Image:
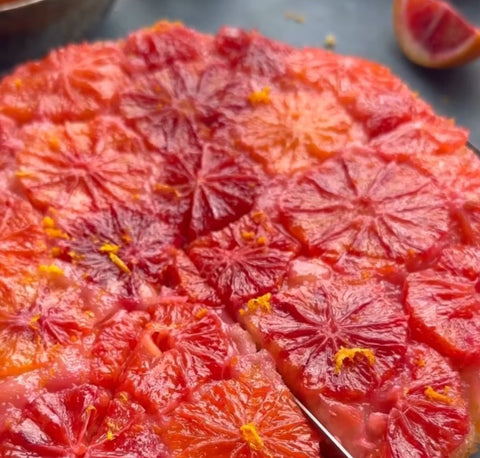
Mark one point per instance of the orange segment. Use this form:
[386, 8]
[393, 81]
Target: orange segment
[433, 34]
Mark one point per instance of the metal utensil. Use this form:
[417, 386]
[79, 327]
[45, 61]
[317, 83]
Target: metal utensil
[30, 28]
[323, 430]
[474, 148]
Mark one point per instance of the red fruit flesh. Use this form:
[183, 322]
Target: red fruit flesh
[335, 337]
[81, 166]
[230, 418]
[246, 259]
[364, 206]
[56, 424]
[444, 304]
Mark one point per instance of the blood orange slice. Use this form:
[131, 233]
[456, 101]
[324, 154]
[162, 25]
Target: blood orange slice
[219, 185]
[182, 348]
[224, 191]
[174, 107]
[286, 131]
[74, 83]
[247, 258]
[182, 275]
[433, 34]
[120, 248]
[32, 330]
[56, 424]
[232, 418]
[82, 166]
[115, 340]
[252, 53]
[430, 418]
[336, 338]
[126, 431]
[423, 137]
[444, 304]
[362, 205]
[22, 241]
[360, 86]
[163, 45]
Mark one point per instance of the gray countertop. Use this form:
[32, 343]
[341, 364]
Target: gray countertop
[361, 27]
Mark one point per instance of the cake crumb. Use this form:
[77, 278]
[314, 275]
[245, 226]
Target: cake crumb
[330, 41]
[295, 17]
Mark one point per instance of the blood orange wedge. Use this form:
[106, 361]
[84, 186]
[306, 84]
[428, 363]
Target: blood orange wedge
[335, 337]
[444, 304]
[246, 259]
[433, 34]
[81, 166]
[241, 419]
[362, 205]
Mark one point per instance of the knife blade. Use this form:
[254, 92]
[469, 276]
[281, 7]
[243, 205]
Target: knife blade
[473, 148]
[323, 430]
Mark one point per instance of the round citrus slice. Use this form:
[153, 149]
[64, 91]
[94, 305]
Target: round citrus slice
[286, 131]
[82, 166]
[365, 206]
[162, 45]
[56, 424]
[430, 417]
[120, 248]
[114, 342]
[359, 86]
[444, 304]
[22, 241]
[336, 338]
[220, 186]
[224, 191]
[126, 431]
[32, 330]
[182, 275]
[73, 83]
[252, 53]
[429, 136]
[174, 107]
[183, 347]
[231, 418]
[433, 34]
[247, 258]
